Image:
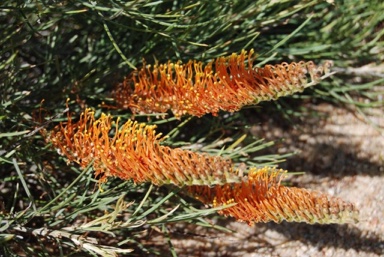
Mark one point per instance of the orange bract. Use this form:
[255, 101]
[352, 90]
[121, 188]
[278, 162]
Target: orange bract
[134, 152]
[261, 198]
[228, 84]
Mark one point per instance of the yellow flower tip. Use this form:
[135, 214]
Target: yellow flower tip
[266, 173]
[101, 185]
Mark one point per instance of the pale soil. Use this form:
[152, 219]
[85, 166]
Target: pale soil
[342, 156]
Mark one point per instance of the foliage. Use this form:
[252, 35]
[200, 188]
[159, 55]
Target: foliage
[54, 50]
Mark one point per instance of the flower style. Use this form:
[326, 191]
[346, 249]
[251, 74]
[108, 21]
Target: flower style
[228, 84]
[135, 152]
[261, 198]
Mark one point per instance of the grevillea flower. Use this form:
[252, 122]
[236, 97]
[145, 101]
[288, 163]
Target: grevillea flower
[228, 84]
[261, 198]
[135, 152]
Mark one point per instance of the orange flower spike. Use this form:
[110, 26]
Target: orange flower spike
[261, 198]
[134, 152]
[196, 90]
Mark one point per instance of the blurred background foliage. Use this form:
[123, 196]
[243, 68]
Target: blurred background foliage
[54, 50]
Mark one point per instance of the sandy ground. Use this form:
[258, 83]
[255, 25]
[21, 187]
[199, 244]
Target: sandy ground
[342, 156]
